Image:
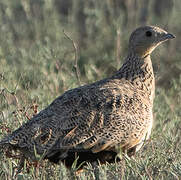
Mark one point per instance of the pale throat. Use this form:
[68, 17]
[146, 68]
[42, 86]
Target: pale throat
[142, 50]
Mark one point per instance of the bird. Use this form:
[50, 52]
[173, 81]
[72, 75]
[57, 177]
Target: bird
[95, 121]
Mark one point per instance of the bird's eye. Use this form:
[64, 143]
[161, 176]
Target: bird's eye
[148, 33]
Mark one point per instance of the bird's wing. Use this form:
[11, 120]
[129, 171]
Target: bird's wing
[99, 117]
[89, 117]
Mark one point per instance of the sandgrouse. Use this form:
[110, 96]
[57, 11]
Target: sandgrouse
[92, 121]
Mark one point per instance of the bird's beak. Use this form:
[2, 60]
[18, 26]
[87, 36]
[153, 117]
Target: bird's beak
[166, 36]
[169, 36]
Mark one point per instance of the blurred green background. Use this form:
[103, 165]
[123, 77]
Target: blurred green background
[37, 61]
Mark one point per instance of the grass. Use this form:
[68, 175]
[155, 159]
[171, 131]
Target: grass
[37, 65]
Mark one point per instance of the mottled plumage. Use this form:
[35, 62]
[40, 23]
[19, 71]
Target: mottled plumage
[95, 120]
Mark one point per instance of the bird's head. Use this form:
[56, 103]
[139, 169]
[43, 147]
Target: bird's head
[145, 39]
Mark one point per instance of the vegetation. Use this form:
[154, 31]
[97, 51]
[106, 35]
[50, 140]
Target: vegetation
[38, 63]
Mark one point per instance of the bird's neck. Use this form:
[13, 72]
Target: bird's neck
[139, 72]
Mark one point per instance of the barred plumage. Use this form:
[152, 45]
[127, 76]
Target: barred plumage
[91, 121]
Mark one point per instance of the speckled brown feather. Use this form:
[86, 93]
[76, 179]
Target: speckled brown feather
[97, 118]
